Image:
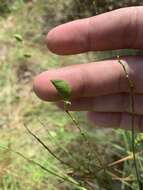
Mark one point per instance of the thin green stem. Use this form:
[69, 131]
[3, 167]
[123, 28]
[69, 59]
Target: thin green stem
[83, 135]
[67, 152]
[76, 123]
[132, 104]
[43, 168]
[58, 144]
[46, 147]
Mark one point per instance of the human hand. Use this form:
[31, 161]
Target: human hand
[100, 88]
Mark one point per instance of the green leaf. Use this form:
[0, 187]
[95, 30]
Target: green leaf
[27, 55]
[63, 88]
[18, 37]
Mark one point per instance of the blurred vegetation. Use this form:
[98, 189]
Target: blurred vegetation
[5, 7]
[86, 8]
[20, 61]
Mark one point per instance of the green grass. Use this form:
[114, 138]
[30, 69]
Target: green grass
[20, 105]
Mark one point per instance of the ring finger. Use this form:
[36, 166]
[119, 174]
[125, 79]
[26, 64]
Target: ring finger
[107, 103]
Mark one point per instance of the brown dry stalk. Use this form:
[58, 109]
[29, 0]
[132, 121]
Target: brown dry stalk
[129, 157]
[132, 102]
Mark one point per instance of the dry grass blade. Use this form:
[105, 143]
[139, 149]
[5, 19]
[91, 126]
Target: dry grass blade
[46, 147]
[43, 168]
[129, 157]
[58, 144]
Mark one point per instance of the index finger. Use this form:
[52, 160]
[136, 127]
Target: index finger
[90, 80]
[117, 29]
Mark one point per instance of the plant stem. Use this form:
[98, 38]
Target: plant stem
[82, 134]
[41, 166]
[46, 147]
[76, 123]
[58, 144]
[132, 104]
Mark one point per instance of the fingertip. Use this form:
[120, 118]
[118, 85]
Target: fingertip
[52, 41]
[43, 87]
[38, 88]
[69, 38]
[56, 40]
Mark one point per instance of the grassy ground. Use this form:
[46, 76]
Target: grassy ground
[19, 63]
